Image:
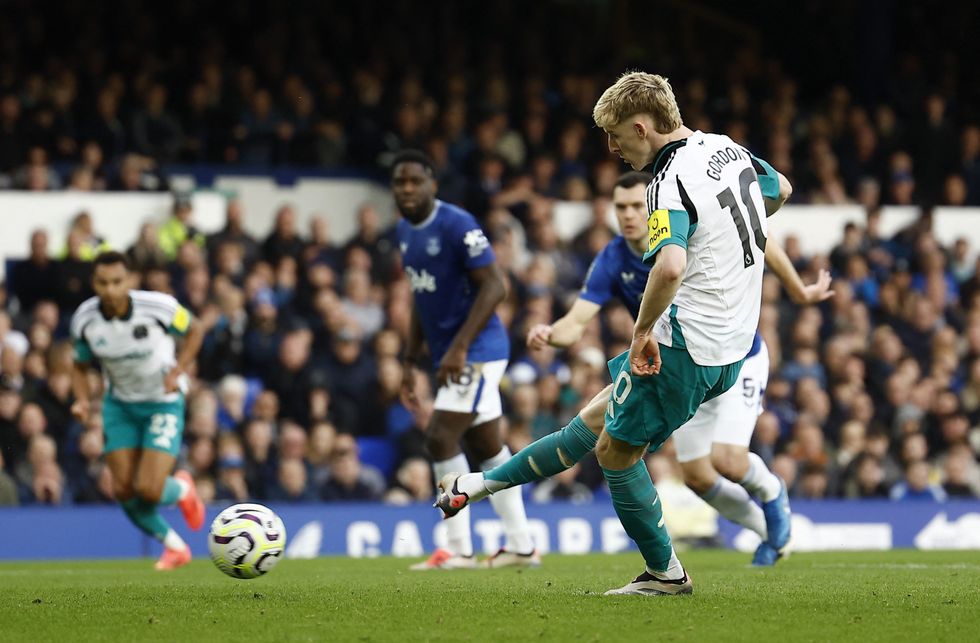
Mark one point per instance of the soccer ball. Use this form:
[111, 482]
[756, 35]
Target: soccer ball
[246, 540]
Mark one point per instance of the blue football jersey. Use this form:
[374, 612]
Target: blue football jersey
[438, 255]
[616, 271]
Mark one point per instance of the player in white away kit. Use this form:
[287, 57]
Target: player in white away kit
[696, 323]
[131, 334]
[717, 437]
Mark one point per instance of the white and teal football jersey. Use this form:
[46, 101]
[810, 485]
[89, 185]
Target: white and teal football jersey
[136, 351]
[707, 196]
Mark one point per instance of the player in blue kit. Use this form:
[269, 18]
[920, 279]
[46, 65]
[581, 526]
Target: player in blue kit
[456, 285]
[717, 438]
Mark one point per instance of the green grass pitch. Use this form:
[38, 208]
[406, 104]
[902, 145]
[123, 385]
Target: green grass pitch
[881, 596]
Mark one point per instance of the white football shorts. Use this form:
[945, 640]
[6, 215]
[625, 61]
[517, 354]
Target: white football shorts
[477, 391]
[729, 418]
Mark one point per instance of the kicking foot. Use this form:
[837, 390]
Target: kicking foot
[765, 555]
[445, 559]
[191, 505]
[504, 558]
[450, 499]
[173, 558]
[778, 519]
[646, 584]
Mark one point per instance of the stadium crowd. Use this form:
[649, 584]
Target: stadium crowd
[874, 394]
[296, 394]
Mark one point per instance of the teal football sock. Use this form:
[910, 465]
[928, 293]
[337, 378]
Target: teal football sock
[550, 455]
[145, 516]
[172, 491]
[639, 509]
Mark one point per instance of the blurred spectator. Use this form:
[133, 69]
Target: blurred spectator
[231, 484]
[8, 487]
[359, 303]
[39, 475]
[352, 376]
[960, 475]
[156, 132]
[376, 243]
[234, 233]
[37, 175]
[146, 253]
[350, 479]
[74, 276]
[867, 479]
[293, 484]
[260, 131]
[232, 398]
[293, 380]
[179, 227]
[413, 483]
[34, 279]
[105, 127]
[223, 350]
[90, 243]
[284, 240]
[13, 133]
[138, 173]
[323, 435]
[89, 475]
[260, 471]
[916, 485]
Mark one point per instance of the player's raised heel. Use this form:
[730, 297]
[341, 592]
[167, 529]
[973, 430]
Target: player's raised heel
[778, 519]
[450, 499]
[191, 505]
[173, 558]
[646, 584]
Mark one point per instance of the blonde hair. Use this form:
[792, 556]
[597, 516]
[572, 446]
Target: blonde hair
[636, 92]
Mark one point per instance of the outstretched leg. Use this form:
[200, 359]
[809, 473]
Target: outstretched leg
[544, 458]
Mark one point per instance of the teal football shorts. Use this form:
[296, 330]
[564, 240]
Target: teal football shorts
[646, 410]
[143, 425]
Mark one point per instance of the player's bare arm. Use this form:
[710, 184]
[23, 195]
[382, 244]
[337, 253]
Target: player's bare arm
[662, 284]
[566, 330]
[188, 353]
[79, 386]
[800, 293]
[413, 350]
[491, 290]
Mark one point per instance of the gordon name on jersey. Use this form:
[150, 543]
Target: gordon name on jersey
[137, 350]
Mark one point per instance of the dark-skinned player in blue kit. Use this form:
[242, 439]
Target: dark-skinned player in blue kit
[456, 286]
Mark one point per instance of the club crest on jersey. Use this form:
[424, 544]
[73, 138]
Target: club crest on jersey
[476, 242]
[101, 341]
[627, 277]
[140, 332]
[403, 247]
[658, 225]
[433, 247]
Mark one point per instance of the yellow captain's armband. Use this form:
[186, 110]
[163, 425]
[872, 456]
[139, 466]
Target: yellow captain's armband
[658, 225]
[182, 320]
